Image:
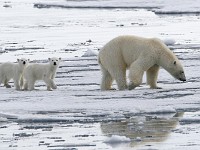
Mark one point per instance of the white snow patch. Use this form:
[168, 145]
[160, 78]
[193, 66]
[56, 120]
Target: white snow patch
[2, 50]
[138, 139]
[169, 42]
[117, 139]
[3, 119]
[89, 53]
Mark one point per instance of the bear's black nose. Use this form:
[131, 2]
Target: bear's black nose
[24, 62]
[54, 63]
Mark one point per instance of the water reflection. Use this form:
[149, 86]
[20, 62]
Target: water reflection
[143, 130]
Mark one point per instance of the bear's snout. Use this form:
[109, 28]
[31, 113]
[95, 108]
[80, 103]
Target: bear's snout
[182, 79]
[24, 62]
[54, 64]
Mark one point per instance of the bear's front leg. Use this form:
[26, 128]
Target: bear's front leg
[49, 88]
[152, 75]
[50, 84]
[53, 85]
[135, 76]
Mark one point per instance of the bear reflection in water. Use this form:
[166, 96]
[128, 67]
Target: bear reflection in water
[143, 129]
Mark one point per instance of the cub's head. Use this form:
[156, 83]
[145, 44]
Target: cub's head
[23, 61]
[54, 61]
[176, 70]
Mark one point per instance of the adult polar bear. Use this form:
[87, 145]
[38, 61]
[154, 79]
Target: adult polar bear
[139, 55]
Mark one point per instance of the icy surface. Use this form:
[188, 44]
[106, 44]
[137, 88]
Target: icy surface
[78, 115]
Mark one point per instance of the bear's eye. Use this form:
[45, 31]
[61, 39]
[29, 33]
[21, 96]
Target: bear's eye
[52, 60]
[56, 60]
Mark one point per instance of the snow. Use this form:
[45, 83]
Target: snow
[169, 42]
[78, 115]
[117, 139]
[89, 53]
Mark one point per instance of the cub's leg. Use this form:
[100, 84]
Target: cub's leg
[31, 85]
[152, 76]
[16, 82]
[6, 83]
[25, 85]
[50, 84]
[21, 82]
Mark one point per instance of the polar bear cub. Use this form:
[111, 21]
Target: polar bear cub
[13, 71]
[45, 72]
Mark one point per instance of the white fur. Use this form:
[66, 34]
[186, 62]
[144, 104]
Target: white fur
[139, 55]
[13, 71]
[45, 72]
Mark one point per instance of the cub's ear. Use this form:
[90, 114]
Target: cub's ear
[59, 58]
[18, 60]
[174, 62]
[28, 60]
[49, 59]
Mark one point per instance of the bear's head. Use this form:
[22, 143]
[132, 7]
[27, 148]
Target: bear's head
[176, 70]
[54, 61]
[23, 62]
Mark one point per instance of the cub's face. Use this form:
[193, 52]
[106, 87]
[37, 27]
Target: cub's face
[177, 71]
[23, 61]
[54, 61]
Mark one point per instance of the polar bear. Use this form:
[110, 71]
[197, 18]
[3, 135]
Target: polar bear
[45, 72]
[13, 71]
[137, 54]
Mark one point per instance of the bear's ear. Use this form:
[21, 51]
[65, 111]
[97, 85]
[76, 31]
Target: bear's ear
[28, 60]
[49, 59]
[174, 62]
[59, 58]
[18, 60]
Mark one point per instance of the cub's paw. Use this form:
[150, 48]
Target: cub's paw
[8, 86]
[54, 87]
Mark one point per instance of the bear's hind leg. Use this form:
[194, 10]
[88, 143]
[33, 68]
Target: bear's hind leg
[120, 78]
[16, 83]
[152, 75]
[31, 85]
[6, 83]
[25, 85]
[106, 80]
